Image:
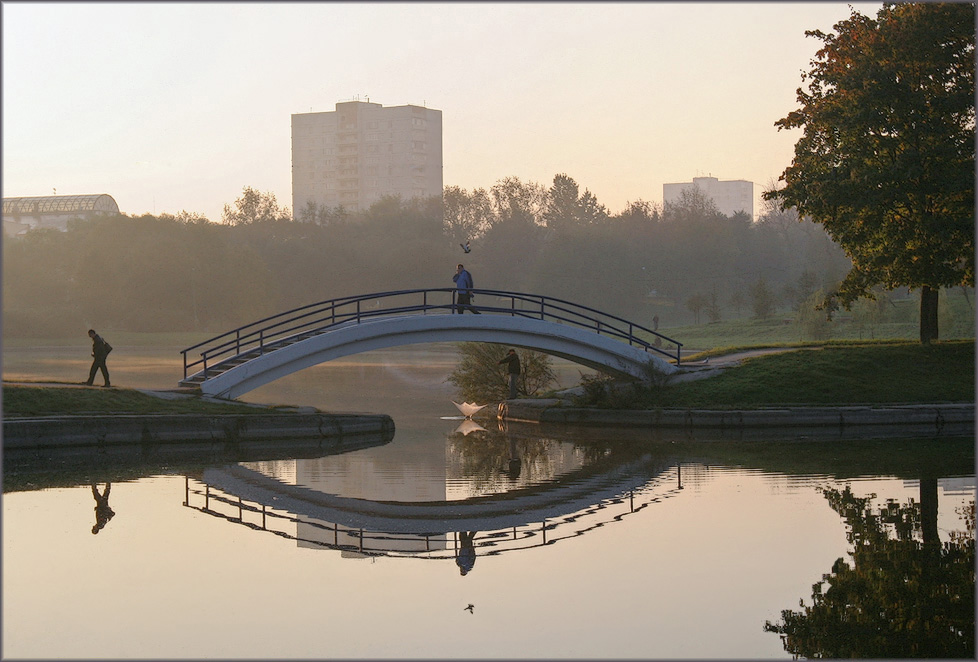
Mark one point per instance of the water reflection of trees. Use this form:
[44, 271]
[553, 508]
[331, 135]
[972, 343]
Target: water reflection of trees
[488, 458]
[904, 594]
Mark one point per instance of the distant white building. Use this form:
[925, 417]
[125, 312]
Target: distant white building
[361, 151]
[730, 196]
[53, 211]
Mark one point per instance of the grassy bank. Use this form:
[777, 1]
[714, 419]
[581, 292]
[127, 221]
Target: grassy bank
[831, 374]
[49, 400]
[898, 319]
[838, 373]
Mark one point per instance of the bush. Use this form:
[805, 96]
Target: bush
[607, 392]
[479, 377]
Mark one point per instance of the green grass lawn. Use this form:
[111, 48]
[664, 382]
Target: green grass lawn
[900, 321]
[833, 374]
[44, 400]
[891, 372]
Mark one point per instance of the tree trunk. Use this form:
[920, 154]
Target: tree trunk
[928, 510]
[928, 314]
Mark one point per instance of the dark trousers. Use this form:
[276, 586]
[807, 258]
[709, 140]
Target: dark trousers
[98, 364]
[465, 301]
[513, 380]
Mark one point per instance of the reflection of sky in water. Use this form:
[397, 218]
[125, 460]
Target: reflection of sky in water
[733, 549]
[381, 476]
[694, 575]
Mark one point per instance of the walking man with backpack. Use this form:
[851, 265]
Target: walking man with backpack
[100, 350]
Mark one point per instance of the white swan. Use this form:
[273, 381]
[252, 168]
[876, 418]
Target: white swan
[468, 408]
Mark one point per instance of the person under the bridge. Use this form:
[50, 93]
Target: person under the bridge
[463, 286]
[512, 362]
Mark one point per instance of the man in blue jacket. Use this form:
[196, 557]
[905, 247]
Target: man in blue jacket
[463, 286]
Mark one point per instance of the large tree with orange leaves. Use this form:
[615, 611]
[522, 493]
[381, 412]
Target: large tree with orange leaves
[887, 160]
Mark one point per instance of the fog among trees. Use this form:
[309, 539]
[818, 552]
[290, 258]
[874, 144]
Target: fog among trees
[684, 263]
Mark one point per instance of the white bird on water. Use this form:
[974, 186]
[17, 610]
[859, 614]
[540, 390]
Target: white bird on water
[468, 408]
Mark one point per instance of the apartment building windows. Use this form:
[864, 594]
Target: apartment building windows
[351, 149]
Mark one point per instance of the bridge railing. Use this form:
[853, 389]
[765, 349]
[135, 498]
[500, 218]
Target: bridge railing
[269, 333]
[440, 543]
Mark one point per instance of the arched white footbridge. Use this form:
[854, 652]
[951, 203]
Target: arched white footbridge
[244, 359]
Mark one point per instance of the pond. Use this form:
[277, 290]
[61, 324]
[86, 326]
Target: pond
[460, 539]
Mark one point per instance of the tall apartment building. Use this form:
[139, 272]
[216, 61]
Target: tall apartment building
[362, 151]
[730, 196]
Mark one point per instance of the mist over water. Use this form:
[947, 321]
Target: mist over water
[589, 550]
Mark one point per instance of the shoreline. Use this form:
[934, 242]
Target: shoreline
[936, 417]
[263, 423]
[107, 431]
[205, 430]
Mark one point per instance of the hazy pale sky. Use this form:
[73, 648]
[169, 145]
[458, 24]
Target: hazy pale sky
[179, 106]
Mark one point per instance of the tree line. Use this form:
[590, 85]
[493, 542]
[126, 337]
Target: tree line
[185, 273]
[879, 195]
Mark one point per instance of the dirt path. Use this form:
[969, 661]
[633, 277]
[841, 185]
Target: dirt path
[713, 365]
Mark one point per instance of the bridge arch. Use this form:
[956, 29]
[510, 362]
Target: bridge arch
[575, 492]
[252, 356]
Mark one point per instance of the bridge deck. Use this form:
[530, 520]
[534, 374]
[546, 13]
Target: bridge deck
[252, 342]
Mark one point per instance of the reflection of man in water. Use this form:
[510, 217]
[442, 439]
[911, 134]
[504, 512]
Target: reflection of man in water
[466, 553]
[515, 465]
[102, 511]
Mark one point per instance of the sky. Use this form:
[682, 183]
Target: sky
[172, 107]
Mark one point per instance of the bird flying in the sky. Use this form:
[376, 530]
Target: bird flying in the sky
[465, 247]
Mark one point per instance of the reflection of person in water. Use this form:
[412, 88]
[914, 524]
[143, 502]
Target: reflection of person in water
[515, 464]
[466, 553]
[102, 511]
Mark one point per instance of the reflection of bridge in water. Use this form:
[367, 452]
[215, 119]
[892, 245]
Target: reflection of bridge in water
[530, 517]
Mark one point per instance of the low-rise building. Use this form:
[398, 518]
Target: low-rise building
[53, 211]
[730, 196]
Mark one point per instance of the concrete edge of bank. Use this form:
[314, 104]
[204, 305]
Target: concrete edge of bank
[935, 416]
[64, 432]
[109, 431]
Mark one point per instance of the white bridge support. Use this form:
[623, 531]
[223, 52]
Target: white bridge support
[583, 346]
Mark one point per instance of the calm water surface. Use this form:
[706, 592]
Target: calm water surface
[446, 541]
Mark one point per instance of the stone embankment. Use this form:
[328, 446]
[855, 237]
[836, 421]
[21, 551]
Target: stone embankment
[263, 424]
[108, 431]
[921, 418]
[938, 418]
